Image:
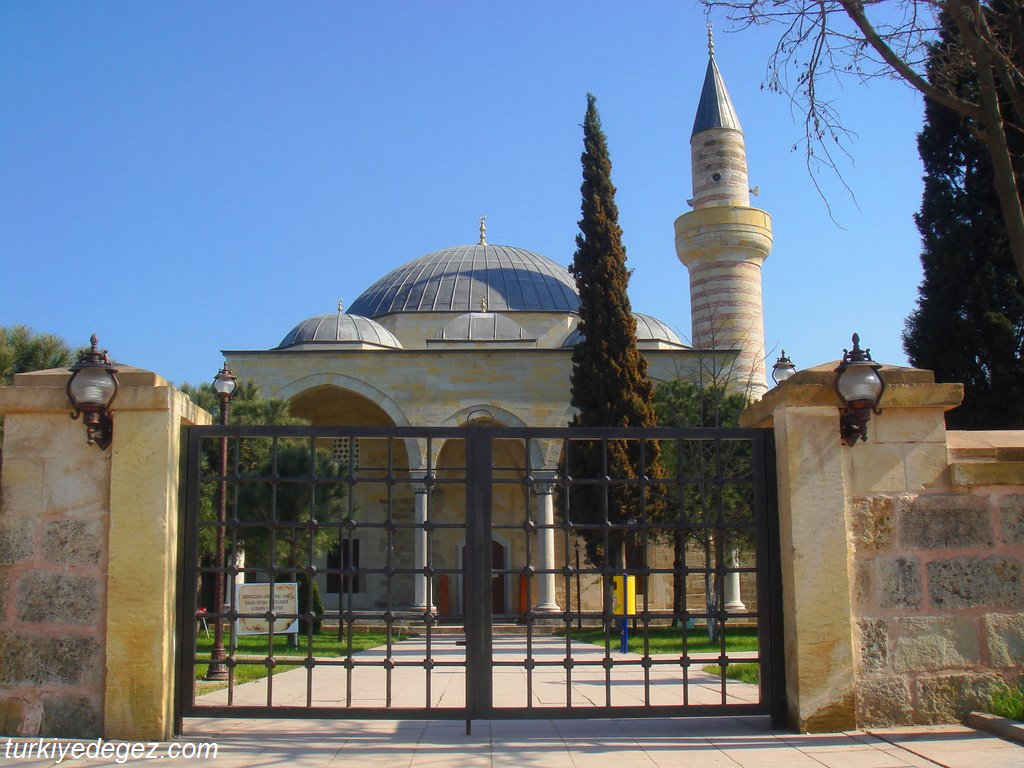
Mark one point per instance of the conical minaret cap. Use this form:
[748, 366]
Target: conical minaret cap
[715, 109]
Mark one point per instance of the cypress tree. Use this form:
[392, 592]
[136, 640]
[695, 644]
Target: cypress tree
[609, 382]
[969, 322]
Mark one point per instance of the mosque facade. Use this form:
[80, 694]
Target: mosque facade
[485, 332]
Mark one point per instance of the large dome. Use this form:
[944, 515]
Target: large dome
[456, 279]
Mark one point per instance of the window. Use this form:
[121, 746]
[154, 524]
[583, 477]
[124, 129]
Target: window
[345, 555]
[345, 450]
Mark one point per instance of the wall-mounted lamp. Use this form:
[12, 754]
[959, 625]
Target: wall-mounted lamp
[91, 389]
[860, 385]
[783, 368]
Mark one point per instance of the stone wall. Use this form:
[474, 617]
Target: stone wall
[88, 559]
[938, 599]
[54, 507]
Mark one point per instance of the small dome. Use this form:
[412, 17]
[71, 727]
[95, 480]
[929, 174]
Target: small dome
[456, 279]
[648, 329]
[339, 328]
[482, 326]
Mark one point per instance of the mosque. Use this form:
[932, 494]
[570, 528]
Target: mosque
[485, 332]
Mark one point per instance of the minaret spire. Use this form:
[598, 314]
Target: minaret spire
[723, 241]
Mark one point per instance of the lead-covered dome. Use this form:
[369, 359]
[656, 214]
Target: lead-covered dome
[456, 279]
[648, 330]
[339, 329]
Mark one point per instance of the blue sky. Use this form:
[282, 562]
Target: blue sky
[187, 177]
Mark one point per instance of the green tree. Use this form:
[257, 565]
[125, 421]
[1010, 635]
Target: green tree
[609, 382]
[23, 350]
[294, 542]
[694, 507]
[969, 322]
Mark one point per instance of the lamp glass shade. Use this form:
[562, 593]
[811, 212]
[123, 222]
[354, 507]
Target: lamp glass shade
[859, 381]
[92, 386]
[225, 385]
[782, 372]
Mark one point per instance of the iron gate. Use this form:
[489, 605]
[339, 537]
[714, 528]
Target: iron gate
[479, 572]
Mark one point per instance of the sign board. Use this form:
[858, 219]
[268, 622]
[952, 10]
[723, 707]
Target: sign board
[624, 601]
[255, 598]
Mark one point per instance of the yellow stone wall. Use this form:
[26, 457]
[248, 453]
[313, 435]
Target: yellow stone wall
[88, 558]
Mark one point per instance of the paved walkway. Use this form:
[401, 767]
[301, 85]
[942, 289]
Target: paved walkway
[744, 742]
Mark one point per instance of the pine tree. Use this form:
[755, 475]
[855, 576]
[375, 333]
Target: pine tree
[609, 382]
[969, 322]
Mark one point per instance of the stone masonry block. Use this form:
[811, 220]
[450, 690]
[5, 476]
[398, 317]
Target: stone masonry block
[874, 644]
[883, 701]
[945, 521]
[15, 540]
[969, 582]
[12, 715]
[70, 717]
[864, 583]
[1011, 516]
[5, 583]
[871, 522]
[949, 698]
[22, 496]
[931, 644]
[55, 596]
[1004, 635]
[899, 583]
[79, 542]
[46, 660]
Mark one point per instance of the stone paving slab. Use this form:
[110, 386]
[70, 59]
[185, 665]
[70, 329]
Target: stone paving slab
[745, 742]
[329, 685]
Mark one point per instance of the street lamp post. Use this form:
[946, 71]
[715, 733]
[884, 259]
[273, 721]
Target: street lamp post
[225, 384]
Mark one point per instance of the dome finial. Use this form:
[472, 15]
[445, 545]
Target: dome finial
[483, 304]
[711, 41]
[341, 306]
[483, 230]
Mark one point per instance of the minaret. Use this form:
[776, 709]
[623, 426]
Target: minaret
[723, 241]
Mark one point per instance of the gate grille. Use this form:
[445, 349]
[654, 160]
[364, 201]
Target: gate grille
[469, 573]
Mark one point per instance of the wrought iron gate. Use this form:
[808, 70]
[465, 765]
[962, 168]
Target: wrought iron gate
[475, 573]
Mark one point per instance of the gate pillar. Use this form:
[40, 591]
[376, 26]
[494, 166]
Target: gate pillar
[88, 560]
[817, 477]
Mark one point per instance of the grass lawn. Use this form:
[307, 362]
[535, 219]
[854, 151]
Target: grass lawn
[251, 650]
[1009, 703]
[668, 640]
[744, 673]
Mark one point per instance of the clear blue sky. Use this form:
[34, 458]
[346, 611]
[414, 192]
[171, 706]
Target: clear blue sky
[186, 177]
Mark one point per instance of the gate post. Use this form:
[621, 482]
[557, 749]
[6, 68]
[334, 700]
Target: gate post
[817, 477]
[88, 559]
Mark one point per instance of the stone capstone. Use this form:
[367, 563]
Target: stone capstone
[1004, 635]
[969, 582]
[899, 583]
[874, 644]
[950, 698]
[55, 596]
[945, 521]
[44, 660]
[1011, 516]
[931, 644]
[70, 717]
[73, 541]
[883, 701]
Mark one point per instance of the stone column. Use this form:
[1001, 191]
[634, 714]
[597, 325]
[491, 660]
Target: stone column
[733, 601]
[817, 477]
[546, 549]
[422, 597]
[88, 561]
